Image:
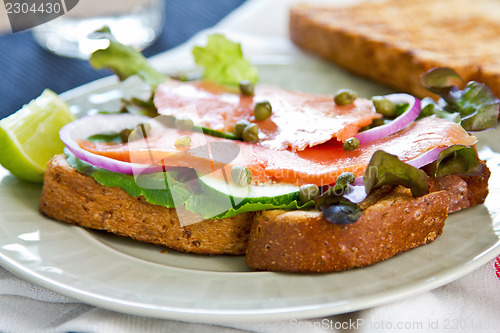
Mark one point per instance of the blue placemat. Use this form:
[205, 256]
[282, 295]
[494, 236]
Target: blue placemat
[26, 69]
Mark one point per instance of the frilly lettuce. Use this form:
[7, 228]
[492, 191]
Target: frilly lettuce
[223, 61]
[456, 160]
[123, 60]
[475, 107]
[387, 169]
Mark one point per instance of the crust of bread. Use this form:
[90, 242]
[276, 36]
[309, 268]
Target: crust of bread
[294, 241]
[393, 42]
[72, 197]
[305, 242]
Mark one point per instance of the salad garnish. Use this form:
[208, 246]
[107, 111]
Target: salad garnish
[223, 62]
[387, 169]
[475, 107]
[123, 60]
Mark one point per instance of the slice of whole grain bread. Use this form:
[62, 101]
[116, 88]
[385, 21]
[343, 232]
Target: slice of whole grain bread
[296, 241]
[75, 198]
[393, 42]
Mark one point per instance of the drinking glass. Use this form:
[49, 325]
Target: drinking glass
[133, 22]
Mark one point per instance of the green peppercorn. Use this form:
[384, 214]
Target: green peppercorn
[345, 96]
[183, 123]
[345, 178]
[183, 141]
[251, 133]
[308, 192]
[262, 110]
[246, 88]
[351, 144]
[384, 106]
[241, 176]
[240, 126]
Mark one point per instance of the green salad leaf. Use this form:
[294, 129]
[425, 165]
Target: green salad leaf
[123, 60]
[387, 169]
[195, 197]
[223, 61]
[456, 160]
[337, 209]
[111, 137]
[474, 107]
[440, 80]
[342, 212]
[429, 108]
[154, 194]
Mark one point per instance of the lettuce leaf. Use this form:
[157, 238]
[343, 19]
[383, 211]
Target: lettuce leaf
[456, 160]
[387, 169]
[123, 60]
[126, 182]
[336, 208]
[475, 107]
[429, 108]
[223, 61]
[164, 187]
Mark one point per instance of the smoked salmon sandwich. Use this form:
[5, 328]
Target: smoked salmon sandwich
[297, 182]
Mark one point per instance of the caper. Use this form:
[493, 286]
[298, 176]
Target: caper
[246, 88]
[262, 110]
[345, 178]
[345, 96]
[384, 106]
[351, 144]
[240, 126]
[379, 122]
[241, 176]
[181, 76]
[124, 134]
[250, 133]
[308, 192]
[183, 141]
[183, 123]
[130, 134]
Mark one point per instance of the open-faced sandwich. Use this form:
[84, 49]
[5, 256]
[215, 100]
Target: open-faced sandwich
[296, 182]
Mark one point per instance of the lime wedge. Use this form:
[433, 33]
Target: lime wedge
[30, 137]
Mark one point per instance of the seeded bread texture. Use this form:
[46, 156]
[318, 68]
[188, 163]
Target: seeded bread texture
[72, 197]
[393, 42]
[294, 241]
[306, 242]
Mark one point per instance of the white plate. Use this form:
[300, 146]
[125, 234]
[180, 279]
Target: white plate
[127, 276]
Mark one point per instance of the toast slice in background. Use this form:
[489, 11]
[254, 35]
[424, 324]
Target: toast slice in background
[393, 42]
[295, 241]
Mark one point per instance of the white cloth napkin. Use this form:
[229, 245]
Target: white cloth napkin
[470, 304]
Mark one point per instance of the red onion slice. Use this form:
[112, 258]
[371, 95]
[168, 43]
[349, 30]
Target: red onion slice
[397, 124]
[426, 158]
[83, 128]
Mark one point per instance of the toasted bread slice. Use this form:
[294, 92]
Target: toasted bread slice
[393, 42]
[296, 241]
[75, 198]
[306, 242]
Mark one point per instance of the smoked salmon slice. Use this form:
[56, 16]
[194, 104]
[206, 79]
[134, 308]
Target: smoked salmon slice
[318, 165]
[298, 121]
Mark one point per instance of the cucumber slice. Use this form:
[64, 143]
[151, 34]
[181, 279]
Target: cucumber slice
[279, 193]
